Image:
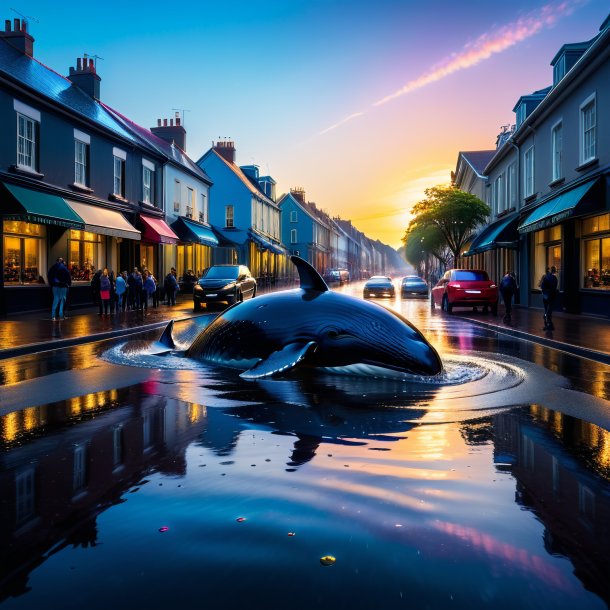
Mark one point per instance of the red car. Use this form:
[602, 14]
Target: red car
[465, 288]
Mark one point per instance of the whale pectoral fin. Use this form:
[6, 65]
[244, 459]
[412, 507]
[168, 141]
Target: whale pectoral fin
[281, 361]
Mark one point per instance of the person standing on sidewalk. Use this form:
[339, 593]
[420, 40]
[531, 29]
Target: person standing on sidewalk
[508, 288]
[148, 288]
[105, 288]
[171, 287]
[95, 289]
[121, 289]
[548, 286]
[59, 280]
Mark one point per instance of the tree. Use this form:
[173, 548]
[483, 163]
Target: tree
[423, 242]
[454, 213]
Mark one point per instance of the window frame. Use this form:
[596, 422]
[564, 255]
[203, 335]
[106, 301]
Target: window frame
[118, 179]
[557, 151]
[82, 164]
[528, 172]
[27, 120]
[293, 216]
[147, 189]
[293, 236]
[589, 102]
[229, 217]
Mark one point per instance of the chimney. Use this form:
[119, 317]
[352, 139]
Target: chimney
[172, 133]
[226, 149]
[18, 37]
[298, 193]
[85, 77]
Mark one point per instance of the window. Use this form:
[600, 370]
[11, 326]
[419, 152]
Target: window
[293, 216]
[23, 251]
[229, 219]
[25, 496]
[596, 252]
[203, 214]
[547, 253]
[511, 186]
[26, 142]
[148, 182]
[528, 176]
[83, 255]
[190, 199]
[81, 158]
[559, 69]
[557, 150]
[293, 236]
[588, 138]
[499, 194]
[177, 196]
[119, 177]
[520, 112]
[79, 478]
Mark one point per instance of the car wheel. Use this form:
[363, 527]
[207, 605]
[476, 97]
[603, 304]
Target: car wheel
[446, 305]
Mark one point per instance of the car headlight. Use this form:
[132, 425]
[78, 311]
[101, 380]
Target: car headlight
[198, 287]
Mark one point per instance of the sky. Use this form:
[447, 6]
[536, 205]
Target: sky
[362, 104]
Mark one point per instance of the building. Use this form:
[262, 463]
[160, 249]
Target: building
[244, 214]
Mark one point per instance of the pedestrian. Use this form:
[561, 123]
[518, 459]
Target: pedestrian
[155, 294]
[113, 297]
[105, 288]
[508, 288]
[95, 289]
[134, 288]
[148, 288]
[120, 290]
[59, 280]
[548, 286]
[171, 287]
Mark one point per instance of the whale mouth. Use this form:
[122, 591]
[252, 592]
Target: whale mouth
[417, 368]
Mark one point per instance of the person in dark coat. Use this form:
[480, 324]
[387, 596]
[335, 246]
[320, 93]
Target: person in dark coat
[95, 289]
[548, 286]
[171, 287]
[59, 280]
[508, 289]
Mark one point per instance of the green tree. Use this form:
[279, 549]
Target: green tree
[454, 213]
[422, 243]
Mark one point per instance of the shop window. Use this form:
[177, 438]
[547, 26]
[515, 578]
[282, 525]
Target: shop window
[547, 253]
[596, 253]
[83, 255]
[147, 257]
[23, 246]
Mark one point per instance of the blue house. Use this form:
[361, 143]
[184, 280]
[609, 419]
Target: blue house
[244, 214]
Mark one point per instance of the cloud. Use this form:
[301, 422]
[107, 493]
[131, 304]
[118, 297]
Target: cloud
[480, 49]
[341, 122]
[488, 44]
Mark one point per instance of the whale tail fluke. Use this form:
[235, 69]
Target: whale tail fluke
[310, 279]
[166, 338]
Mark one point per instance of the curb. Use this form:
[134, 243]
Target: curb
[575, 350]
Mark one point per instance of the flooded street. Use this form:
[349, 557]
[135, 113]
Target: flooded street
[161, 482]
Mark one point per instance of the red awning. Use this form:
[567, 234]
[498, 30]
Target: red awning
[157, 231]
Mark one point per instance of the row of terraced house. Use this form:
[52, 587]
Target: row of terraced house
[81, 181]
[547, 183]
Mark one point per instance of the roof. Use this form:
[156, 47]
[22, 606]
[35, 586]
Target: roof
[477, 159]
[34, 75]
[249, 184]
[309, 209]
[173, 153]
[536, 96]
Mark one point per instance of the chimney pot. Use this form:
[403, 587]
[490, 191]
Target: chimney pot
[177, 121]
[92, 65]
[158, 122]
[171, 122]
[17, 26]
[164, 122]
[7, 25]
[78, 64]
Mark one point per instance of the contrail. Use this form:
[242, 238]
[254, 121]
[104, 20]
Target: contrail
[474, 52]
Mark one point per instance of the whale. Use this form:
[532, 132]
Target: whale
[161, 347]
[312, 327]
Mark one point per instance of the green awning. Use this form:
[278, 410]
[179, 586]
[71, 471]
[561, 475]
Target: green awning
[500, 234]
[556, 209]
[190, 231]
[19, 203]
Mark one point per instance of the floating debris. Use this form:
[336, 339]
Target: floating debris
[163, 528]
[240, 519]
[328, 560]
[292, 533]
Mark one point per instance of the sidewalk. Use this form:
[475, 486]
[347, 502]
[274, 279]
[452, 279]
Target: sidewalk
[585, 336]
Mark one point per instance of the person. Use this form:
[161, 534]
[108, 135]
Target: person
[59, 280]
[134, 283]
[113, 297]
[189, 281]
[105, 287]
[121, 289]
[95, 289]
[171, 287]
[155, 294]
[508, 288]
[148, 288]
[548, 286]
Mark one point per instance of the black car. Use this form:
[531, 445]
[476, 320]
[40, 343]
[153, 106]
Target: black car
[224, 283]
[413, 286]
[379, 286]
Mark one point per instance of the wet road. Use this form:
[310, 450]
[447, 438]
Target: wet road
[490, 489]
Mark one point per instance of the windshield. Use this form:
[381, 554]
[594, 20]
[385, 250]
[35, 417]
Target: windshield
[470, 275]
[222, 273]
[414, 281]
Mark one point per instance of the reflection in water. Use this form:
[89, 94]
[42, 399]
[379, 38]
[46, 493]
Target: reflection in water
[86, 484]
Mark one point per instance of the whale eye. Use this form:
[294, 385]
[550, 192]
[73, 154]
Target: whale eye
[332, 333]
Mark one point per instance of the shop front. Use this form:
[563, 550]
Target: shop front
[194, 252]
[157, 248]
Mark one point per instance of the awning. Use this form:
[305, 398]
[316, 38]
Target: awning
[192, 232]
[35, 206]
[264, 243]
[499, 234]
[230, 238]
[557, 209]
[157, 231]
[104, 222]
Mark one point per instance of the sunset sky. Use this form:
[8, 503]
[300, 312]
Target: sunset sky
[363, 104]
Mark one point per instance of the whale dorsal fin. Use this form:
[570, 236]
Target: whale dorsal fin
[309, 277]
[166, 338]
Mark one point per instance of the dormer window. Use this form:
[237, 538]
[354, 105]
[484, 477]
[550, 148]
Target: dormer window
[559, 69]
[521, 113]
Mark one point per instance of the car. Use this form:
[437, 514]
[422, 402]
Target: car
[340, 276]
[465, 288]
[379, 286]
[224, 283]
[413, 286]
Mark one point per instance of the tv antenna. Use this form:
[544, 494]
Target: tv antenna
[94, 58]
[181, 111]
[26, 18]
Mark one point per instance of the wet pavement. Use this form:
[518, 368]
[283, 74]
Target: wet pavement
[162, 482]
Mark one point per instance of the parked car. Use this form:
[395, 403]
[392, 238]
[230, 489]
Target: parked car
[465, 288]
[337, 275]
[224, 283]
[413, 286]
[379, 286]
